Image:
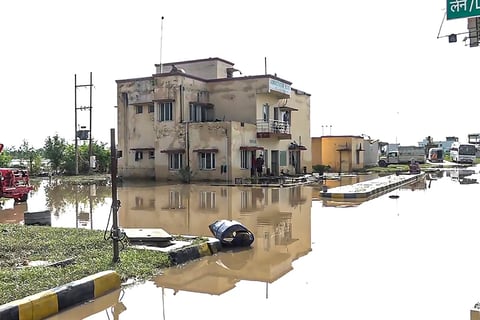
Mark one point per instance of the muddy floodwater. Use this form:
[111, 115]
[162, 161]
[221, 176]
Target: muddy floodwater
[414, 256]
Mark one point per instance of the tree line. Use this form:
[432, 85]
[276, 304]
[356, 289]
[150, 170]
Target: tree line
[60, 156]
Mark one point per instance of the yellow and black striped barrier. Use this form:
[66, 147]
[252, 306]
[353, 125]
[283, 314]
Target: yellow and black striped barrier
[194, 252]
[47, 303]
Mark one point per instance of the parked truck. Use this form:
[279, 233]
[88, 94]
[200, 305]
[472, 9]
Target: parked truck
[402, 155]
[14, 183]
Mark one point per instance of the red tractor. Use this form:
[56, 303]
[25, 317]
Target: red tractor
[14, 183]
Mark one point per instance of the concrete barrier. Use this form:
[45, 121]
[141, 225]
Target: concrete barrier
[371, 188]
[189, 253]
[49, 302]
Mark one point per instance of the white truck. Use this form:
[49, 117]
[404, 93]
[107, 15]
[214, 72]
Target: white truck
[402, 155]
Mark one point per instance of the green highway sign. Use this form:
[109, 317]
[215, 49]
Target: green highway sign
[462, 9]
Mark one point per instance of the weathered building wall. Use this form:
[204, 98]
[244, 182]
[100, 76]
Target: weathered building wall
[316, 150]
[300, 125]
[234, 100]
[135, 128]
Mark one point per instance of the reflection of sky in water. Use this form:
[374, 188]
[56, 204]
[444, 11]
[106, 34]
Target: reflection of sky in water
[37, 199]
[72, 214]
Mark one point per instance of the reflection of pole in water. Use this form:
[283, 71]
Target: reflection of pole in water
[163, 302]
[76, 206]
[90, 203]
[395, 196]
[396, 206]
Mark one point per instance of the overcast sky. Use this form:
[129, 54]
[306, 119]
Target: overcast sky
[371, 67]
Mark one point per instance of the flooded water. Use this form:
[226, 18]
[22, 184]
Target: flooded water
[412, 257]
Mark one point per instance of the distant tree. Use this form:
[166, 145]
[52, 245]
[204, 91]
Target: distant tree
[69, 160]
[54, 149]
[5, 159]
[36, 164]
[28, 153]
[102, 154]
[99, 150]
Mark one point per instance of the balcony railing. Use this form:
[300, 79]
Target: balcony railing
[273, 128]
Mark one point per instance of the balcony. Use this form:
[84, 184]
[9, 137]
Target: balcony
[273, 129]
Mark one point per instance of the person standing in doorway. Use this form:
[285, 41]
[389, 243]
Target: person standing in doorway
[259, 165]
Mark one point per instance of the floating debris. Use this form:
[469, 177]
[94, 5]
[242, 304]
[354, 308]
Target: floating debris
[231, 233]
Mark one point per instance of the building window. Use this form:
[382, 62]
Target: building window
[201, 113]
[165, 111]
[266, 112]
[138, 109]
[138, 155]
[151, 108]
[244, 159]
[206, 160]
[151, 154]
[283, 158]
[175, 161]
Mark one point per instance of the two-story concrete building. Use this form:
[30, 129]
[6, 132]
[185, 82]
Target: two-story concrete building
[194, 118]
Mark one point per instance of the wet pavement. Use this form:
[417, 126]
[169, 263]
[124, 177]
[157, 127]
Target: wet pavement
[412, 257]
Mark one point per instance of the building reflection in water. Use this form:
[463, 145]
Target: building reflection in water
[278, 217]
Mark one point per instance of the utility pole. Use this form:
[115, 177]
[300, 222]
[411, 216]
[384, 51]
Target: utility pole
[80, 134]
[90, 128]
[115, 201]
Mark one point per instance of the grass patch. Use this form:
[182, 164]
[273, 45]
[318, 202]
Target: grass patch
[21, 244]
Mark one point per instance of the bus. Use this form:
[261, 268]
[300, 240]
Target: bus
[463, 152]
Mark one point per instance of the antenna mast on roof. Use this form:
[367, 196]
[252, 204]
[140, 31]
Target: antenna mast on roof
[161, 41]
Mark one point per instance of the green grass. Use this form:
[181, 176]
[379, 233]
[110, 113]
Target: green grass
[21, 244]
